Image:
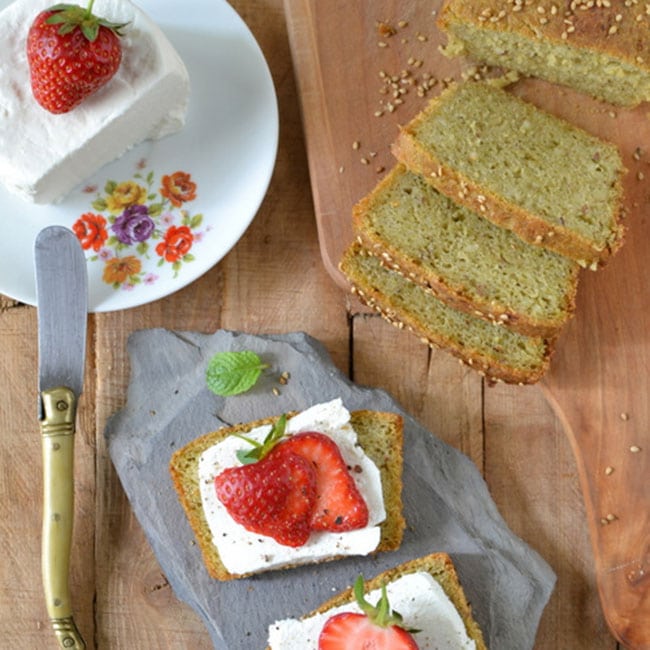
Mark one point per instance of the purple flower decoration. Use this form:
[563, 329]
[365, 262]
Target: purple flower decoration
[133, 225]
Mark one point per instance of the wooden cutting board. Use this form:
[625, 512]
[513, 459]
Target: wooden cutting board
[362, 69]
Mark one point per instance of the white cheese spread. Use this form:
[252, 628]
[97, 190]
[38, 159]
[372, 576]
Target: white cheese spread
[43, 155]
[420, 600]
[242, 551]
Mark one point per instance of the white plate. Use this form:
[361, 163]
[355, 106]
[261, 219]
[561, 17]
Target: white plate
[228, 147]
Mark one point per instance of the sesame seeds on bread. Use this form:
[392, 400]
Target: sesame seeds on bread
[467, 261]
[599, 48]
[525, 170]
[380, 435]
[495, 351]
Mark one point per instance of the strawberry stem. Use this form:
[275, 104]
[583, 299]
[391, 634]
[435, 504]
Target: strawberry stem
[381, 613]
[89, 9]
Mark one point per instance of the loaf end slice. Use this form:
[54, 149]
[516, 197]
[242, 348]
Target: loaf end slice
[603, 51]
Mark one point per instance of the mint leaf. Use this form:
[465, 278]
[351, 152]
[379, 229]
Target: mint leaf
[231, 373]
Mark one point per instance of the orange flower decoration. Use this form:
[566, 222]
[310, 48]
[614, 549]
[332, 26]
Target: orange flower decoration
[91, 231]
[178, 188]
[119, 269]
[177, 243]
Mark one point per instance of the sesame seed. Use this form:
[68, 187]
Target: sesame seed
[635, 449]
[609, 470]
[625, 416]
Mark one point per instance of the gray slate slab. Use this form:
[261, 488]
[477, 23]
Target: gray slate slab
[446, 502]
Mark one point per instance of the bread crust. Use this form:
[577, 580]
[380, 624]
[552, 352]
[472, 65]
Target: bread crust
[441, 567]
[530, 227]
[183, 468]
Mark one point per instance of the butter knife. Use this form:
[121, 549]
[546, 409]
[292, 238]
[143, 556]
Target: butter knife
[62, 305]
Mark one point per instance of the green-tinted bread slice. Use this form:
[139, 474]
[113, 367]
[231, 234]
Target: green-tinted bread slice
[493, 350]
[466, 260]
[553, 184]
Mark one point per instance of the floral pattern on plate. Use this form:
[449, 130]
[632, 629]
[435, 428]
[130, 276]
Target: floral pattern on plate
[135, 221]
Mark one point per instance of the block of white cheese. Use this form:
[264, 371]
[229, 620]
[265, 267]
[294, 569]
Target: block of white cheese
[42, 155]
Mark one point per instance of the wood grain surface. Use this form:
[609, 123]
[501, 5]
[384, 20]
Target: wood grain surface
[363, 72]
[274, 280]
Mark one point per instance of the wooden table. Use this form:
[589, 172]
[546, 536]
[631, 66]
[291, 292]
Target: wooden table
[272, 281]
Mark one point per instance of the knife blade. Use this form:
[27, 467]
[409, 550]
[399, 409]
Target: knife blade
[62, 306]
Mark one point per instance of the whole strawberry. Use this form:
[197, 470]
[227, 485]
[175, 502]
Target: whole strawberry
[71, 54]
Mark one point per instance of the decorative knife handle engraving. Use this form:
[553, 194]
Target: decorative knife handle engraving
[57, 429]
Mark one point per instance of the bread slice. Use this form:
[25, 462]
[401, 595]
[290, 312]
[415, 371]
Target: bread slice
[551, 183]
[601, 50]
[495, 351]
[440, 566]
[467, 261]
[380, 434]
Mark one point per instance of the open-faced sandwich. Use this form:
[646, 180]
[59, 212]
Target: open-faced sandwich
[418, 605]
[295, 489]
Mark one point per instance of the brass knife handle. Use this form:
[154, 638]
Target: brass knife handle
[57, 434]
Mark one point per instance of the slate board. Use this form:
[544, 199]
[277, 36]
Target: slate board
[446, 502]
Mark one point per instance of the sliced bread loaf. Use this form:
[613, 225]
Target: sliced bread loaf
[440, 567]
[553, 184]
[601, 49]
[495, 351]
[466, 260]
[379, 434]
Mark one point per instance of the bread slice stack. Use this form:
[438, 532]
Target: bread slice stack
[474, 240]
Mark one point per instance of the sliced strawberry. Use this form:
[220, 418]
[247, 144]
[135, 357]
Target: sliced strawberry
[273, 497]
[349, 631]
[340, 506]
[378, 628]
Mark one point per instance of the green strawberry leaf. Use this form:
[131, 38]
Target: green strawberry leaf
[232, 373]
[259, 450]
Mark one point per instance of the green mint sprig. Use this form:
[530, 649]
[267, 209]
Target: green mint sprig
[232, 373]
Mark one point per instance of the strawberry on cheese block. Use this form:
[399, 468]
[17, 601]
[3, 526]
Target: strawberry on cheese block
[79, 86]
[418, 605]
[293, 490]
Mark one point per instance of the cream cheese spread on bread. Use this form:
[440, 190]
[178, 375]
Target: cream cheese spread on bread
[244, 552]
[43, 156]
[419, 599]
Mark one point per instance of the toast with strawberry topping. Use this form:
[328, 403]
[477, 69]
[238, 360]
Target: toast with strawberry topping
[291, 494]
[417, 605]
